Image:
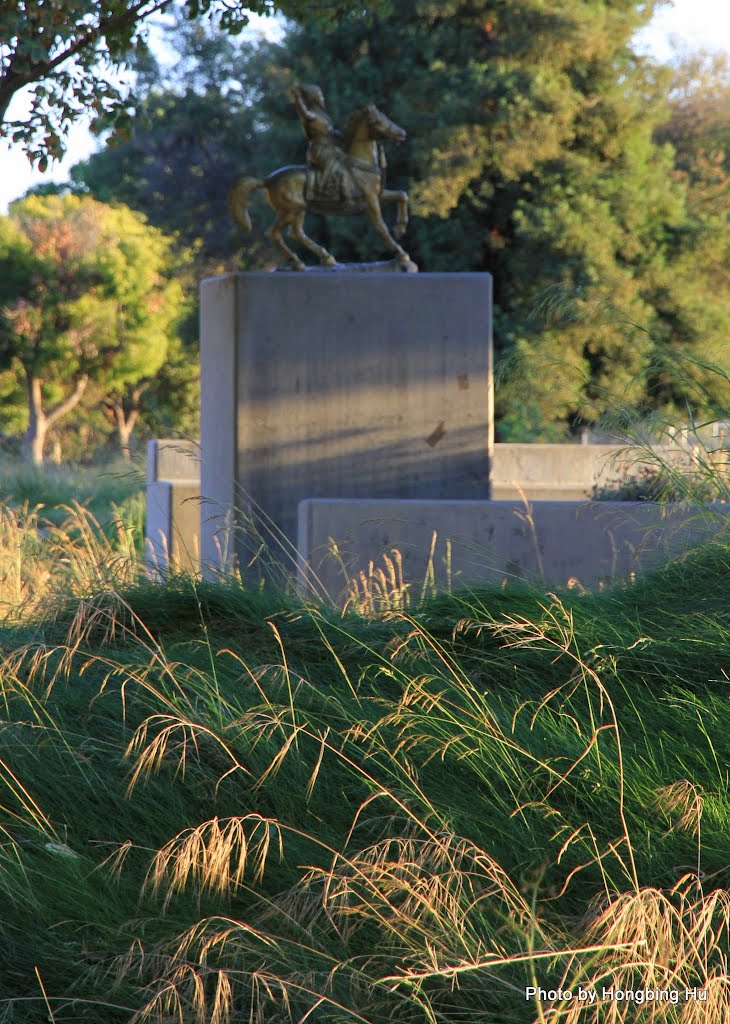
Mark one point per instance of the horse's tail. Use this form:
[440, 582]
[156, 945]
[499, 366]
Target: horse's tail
[238, 200]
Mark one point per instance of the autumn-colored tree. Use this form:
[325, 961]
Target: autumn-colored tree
[699, 99]
[690, 290]
[83, 298]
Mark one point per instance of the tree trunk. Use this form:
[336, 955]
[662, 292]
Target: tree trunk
[126, 421]
[35, 436]
[40, 421]
[35, 443]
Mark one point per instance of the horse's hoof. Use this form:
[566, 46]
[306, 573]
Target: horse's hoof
[329, 261]
[406, 265]
[298, 265]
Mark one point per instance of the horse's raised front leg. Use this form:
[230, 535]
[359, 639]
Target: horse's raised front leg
[375, 217]
[391, 195]
[297, 230]
[282, 221]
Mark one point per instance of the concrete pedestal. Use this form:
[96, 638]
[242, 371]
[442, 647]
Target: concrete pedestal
[344, 386]
[444, 545]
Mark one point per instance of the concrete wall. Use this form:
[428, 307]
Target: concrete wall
[345, 385]
[569, 472]
[172, 532]
[454, 543]
[589, 543]
[173, 459]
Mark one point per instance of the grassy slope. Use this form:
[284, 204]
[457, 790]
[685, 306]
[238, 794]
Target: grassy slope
[402, 804]
[102, 490]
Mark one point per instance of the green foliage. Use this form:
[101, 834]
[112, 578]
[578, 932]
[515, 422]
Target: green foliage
[83, 296]
[532, 155]
[698, 101]
[688, 291]
[83, 290]
[196, 128]
[63, 49]
[592, 184]
[171, 399]
[13, 404]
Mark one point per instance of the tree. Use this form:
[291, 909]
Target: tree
[536, 151]
[196, 128]
[83, 298]
[531, 155]
[699, 99]
[69, 52]
[171, 399]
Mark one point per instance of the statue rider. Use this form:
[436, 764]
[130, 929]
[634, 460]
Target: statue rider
[328, 178]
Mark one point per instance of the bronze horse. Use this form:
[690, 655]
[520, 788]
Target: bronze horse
[288, 194]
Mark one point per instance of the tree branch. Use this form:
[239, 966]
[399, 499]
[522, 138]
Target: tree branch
[68, 403]
[12, 80]
[132, 419]
[35, 396]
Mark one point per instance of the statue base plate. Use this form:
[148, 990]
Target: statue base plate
[381, 267]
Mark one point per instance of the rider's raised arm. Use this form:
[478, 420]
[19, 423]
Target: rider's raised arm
[302, 109]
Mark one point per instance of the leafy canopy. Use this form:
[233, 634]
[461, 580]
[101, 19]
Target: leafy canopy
[532, 154]
[68, 52]
[541, 148]
[197, 127]
[83, 292]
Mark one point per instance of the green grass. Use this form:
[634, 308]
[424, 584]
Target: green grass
[214, 800]
[100, 490]
[66, 530]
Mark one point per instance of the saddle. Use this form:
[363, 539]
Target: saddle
[337, 192]
[318, 191]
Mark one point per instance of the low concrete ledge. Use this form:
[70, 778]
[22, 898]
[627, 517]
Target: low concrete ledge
[541, 492]
[448, 544]
[173, 459]
[541, 472]
[172, 534]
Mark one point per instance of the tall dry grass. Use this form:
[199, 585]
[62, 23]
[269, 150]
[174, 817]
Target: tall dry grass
[382, 905]
[40, 561]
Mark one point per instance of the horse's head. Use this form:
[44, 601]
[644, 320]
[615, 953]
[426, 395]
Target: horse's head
[381, 126]
[369, 123]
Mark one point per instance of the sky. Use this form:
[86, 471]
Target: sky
[685, 25]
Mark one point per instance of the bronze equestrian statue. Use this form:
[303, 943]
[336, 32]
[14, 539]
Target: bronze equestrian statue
[344, 174]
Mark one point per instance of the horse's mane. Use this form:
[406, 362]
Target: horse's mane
[349, 129]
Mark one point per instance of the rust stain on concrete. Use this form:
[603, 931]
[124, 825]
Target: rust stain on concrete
[435, 436]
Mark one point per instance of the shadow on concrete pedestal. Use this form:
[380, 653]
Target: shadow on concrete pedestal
[341, 385]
